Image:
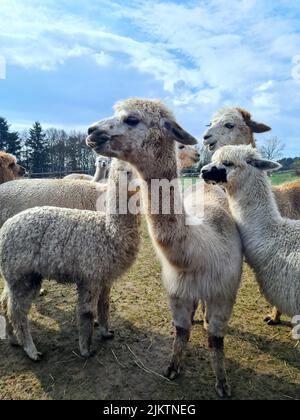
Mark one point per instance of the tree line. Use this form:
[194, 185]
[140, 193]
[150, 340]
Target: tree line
[55, 151]
[47, 151]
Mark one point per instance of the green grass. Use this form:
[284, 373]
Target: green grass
[281, 177]
[262, 361]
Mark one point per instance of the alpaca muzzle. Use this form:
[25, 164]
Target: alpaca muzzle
[214, 175]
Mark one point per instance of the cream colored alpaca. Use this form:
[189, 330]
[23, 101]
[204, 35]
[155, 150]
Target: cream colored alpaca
[144, 132]
[89, 248]
[271, 242]
[9, 169]
[235, 126]
[101, 174]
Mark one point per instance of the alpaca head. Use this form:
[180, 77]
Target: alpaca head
[9, 169]
[187, 156]
[101, 162]
[232, 126]
[141, 132]
[232, 166]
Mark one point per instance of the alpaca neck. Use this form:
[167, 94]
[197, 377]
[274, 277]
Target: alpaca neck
[99, 174]
[118, 216]
[165, 220]
[253, 206]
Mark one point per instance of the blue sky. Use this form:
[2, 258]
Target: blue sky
[69, 61]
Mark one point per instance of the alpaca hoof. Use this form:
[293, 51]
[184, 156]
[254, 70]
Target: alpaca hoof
[108, 335]
[272, 322]
[223, 389]
[88, 354]
[35, 357]
[172, 372]
[13, 341]
[43, 292]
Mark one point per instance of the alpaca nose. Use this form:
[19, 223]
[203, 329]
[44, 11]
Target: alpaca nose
[92, 129]
[207, 137]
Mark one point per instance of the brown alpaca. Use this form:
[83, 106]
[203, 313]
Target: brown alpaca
[9, 169]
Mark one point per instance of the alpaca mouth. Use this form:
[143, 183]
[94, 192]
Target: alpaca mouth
[211, 147]
[97, 141]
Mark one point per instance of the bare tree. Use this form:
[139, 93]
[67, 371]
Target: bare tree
[272, 149]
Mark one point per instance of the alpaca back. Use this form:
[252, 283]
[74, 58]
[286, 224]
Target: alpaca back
[17, 196]
[288, 199]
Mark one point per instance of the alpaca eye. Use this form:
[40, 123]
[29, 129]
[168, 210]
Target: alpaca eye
[132, 121]
[230, 126]
[180, 147]
[228, 164]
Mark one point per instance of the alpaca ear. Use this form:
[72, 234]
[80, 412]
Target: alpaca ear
[265, 165]
[179, 134]
[258, 127]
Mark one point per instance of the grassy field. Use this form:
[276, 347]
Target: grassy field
[262, 361]
[281, 177]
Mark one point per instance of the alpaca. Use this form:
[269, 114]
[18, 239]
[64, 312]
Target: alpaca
[232, 126]
[143, 133]
[9, 169]
[47, 242]
[187, 156]
[235, 126]
[271, 242]
[101, 174]
[17, 196]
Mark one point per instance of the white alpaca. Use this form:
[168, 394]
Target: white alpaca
[194, 258]
[271, 242]
[17, 196]
[101, 174]
[89, 248]
[235, 126]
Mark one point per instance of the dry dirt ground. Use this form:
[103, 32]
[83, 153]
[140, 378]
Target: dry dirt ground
[262, 361]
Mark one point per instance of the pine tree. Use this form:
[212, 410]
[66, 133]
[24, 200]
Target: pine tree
[37, 149]
[14, 144]
[9, 142]
[4, 131]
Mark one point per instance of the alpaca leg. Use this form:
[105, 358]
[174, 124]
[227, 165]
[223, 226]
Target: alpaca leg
[86, 306]
[218, 316]
[182, 311]
[205, 316]
[274, 318]
[8, 326]
[195, 307]
[18, 307]
[103, 313]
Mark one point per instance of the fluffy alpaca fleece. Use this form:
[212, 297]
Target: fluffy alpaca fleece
[101, 174]
[288, 199]
[89, 248]
[143, 133]
[271, 242]
[9, 169]
[17, 196]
